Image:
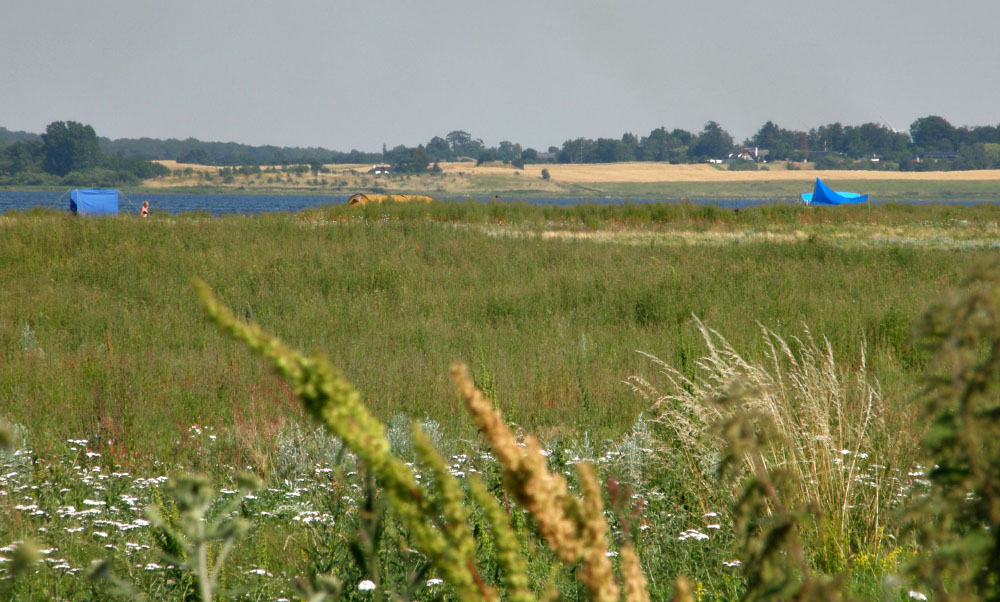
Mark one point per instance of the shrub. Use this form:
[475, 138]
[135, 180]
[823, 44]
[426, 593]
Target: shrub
[742, 165]
[958, 522]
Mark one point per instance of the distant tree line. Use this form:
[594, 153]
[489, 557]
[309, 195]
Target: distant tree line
[193, 150]
[931, 143]
[68, 153]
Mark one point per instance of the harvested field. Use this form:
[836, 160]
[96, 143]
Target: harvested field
[664, 172]
[638, 180]
[333, 167]
[194, 166]
[646, 171]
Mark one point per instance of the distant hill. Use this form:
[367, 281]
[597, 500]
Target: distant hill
[9, 137]
[192, 150]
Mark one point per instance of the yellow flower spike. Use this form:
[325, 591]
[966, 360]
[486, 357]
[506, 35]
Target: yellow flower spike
[525, 472]
[633, 579]
[574, 529]
[506, 543]
[460, 554]
[332, 400]
[682, 591]
[597, 572]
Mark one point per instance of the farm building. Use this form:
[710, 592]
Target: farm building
[748, 154]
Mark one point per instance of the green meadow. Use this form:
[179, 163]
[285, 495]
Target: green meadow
[102, 340]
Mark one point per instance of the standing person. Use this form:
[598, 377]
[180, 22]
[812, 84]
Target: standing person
[144, 212]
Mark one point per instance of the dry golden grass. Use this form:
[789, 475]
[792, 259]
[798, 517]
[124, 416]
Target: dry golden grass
[174, 165]
[351, 175]
[648, 172]
[333, 167]
[864, 235]
[618, 180]
[180, 179]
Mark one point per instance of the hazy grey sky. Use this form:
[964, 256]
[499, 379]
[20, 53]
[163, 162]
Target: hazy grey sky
[348, 75]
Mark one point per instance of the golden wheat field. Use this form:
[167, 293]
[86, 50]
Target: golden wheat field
[645, 172]
[333, 167]
[625, 180]
[174, 165]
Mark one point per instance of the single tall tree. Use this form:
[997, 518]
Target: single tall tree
[713, 142]
[70, 146]
[934, 133]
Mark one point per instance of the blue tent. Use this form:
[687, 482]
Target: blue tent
[822, 195]
[93, 201]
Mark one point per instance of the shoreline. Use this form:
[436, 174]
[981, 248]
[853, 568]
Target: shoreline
[638, 181]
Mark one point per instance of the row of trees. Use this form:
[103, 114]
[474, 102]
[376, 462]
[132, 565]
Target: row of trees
[230, 153]
[929, 135]
[192, 150]
[931, 141]
[69, 153]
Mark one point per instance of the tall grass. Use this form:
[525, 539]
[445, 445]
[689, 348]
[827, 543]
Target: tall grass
[675, 214]
[106, 364]
[830, 433]
[98, 326]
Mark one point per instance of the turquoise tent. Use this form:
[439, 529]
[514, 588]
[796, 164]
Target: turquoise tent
[93, 201]
[822, 195]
